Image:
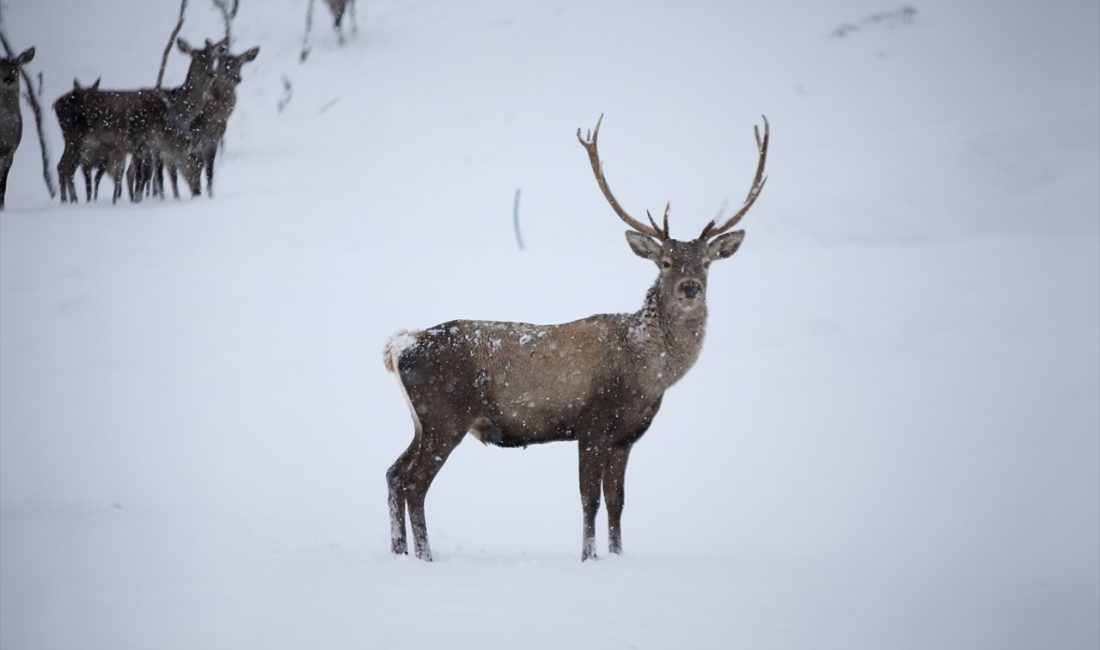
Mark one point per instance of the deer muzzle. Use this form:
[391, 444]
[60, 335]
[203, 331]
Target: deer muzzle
[691, 289]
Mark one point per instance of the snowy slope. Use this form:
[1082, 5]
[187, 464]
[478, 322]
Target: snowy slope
[892, 438]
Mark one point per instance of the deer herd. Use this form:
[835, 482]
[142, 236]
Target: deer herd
[598, 381]
[136, 137]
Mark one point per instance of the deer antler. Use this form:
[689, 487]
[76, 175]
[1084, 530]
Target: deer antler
[713, 230]
[590, 146]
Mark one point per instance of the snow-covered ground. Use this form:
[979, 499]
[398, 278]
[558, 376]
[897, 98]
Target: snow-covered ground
[891, 440]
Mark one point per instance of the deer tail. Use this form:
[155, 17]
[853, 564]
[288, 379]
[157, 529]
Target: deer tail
[397, 344]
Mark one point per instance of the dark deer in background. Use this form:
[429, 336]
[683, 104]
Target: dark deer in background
[104, 126]
[11, 118]
[597, 381]
[164, 137]
[338, 8]
[208, 129]
[95, 156]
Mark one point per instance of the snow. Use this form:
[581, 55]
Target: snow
[891, 438]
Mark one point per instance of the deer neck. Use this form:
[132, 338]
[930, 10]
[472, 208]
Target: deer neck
[190, 98]
[9, 98]
[670, 343]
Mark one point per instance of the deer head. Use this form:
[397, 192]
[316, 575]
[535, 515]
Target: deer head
[683, 265]
[230, 67]
[200, 73]
[9, 68]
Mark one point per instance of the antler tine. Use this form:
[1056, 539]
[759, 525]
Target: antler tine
[712, 229]
[664, 228]
[590, 145]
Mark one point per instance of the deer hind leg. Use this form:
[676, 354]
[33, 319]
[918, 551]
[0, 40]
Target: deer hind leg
[98, 177]
[175, 183]
[5, 165]
[208, 165]
[86, 171]
[397, 480]
[591, 468]
[66, 169]
[436, 445]
[614, 490]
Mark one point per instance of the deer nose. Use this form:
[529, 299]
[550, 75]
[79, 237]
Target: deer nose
[691, 289]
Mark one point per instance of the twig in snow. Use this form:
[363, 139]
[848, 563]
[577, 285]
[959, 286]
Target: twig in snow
[36, 108]
[171, 40]
[329, 105]
[515, 219]
[288, 92]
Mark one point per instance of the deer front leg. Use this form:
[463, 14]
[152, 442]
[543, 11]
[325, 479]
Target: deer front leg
[590, 470]
[86, 171]
[614, 490]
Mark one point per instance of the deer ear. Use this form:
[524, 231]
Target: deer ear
[76, 84]
[725, 245]
[95, 86]
[26, 56]
[643, 245]
[184, 46]
[251, 54]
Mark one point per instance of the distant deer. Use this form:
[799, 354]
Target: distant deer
[167, 141]
[598, 381]
[208, 128]
[145, 124]
[11, 118]
[94, 156]
[338, 8]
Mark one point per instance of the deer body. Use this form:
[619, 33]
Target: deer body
[598, 381]
[518, 384]
[11, 117]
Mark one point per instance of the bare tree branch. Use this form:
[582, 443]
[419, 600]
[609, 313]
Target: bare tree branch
[228, 12]
[171, 40]
[288, 92]
[36, 108]
[305, 39]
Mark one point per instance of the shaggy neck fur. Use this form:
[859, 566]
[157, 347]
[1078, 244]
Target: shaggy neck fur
[671, 341]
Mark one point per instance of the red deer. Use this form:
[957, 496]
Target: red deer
[11, 118]
[338, 7]
[146, 124]
[598, 381]
[208, 129]
[94, 156]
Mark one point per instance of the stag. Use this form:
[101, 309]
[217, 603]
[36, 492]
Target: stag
[11, 118]
[597, 381]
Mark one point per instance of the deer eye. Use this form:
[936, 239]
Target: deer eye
[666, 263]
[706, 264]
